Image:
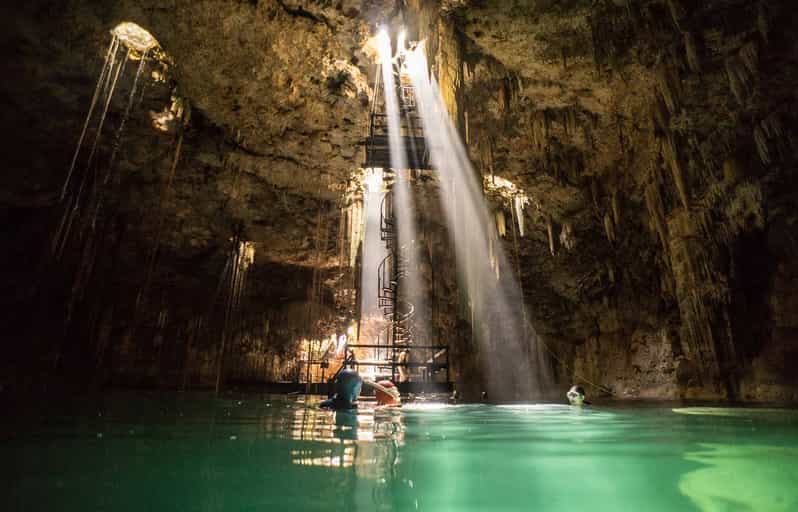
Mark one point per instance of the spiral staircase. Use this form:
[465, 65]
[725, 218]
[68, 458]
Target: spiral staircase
[396, 350]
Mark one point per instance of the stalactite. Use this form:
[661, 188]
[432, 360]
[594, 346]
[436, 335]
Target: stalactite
[670, 154]
[594, 192]
[660, 116]
[762, 148]
[609, 228]
[313, 297]
[669, 86]
[519, 203]
[501, 223]
[567, 238]
[693, 52]
[615, 204]
[448, 63]
[772, 126]
[504, 96]
[348, 227]
[587, 133]
[678, 12]
[767, 135]
[701, 286]
[467, 128]
[749, 55]
[742, 70]
[737, 82]
[355, 225]
[341, 237]
[487, 154]
[550, 233]
[569, 121]
[541, 127]
[656, 212]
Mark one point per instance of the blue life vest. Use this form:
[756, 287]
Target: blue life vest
[347, 389]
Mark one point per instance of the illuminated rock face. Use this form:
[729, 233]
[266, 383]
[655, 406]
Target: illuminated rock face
[638, 131]
[135, 37]
[653, 143]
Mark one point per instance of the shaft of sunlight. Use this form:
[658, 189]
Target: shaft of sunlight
[509, 345]
[403, 207]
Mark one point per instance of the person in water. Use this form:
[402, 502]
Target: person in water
[347, 388]
[386, 393]
[403, 359]
[576, 396]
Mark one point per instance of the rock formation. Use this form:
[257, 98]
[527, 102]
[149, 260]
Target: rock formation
[654, 143]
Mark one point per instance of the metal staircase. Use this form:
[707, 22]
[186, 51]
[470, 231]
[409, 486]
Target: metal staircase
[395, 349]
[378, 148]
[392, 271]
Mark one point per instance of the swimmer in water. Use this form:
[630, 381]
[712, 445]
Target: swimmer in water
[403, 359]
[386, 393]
[347, 388]
[576, 396]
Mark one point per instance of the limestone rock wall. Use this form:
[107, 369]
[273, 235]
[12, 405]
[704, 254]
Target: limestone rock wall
[655, 140]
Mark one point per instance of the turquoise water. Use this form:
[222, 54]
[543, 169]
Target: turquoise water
[187, 453]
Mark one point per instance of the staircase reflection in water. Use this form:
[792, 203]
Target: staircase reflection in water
[365, 438]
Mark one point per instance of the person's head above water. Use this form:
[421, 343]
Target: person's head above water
[348, 385]
[386, 393]
[576, 395]
[347, 389]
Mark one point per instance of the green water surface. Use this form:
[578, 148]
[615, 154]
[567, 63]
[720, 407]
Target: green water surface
[272, 453]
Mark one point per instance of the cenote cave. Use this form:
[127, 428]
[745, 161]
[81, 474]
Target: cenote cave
[394, 255]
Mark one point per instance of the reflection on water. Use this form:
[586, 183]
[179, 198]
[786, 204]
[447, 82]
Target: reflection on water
[752, 478]
[345, 457]
[365, 424]
[168, 453]
[364, 438]
[740, 412]
[743, 476]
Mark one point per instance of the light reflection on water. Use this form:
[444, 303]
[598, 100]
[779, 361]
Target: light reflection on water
[366, 437]
[282, 453]
[749, 477]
